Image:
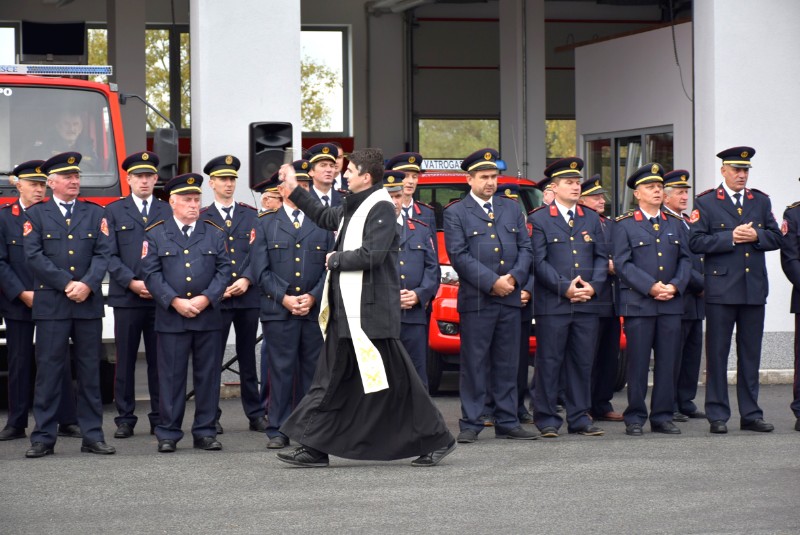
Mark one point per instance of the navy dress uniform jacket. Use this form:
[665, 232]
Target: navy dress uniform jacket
[289, 261]
[243, 221]
[175, 266]
[15, 276]
[790, 252]
[693, 302]
[419, 268]
[127, 228]
[644, 256]
[334, 194]
[734, 274]
[481, 249]
[59, 253]
[561, 253]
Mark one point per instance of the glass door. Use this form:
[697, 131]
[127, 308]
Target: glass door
[629, 159]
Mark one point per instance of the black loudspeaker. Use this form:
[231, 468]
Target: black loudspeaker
[268, 144]
[165, 144]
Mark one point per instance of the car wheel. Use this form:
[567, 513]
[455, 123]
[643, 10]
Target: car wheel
[433, 369]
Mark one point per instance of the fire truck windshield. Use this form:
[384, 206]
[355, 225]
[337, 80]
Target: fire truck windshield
[37, 122]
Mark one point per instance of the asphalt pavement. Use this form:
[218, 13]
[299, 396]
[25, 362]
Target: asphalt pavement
[742, 482]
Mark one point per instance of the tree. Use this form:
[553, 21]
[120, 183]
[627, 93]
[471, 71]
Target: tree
[560, 138]
[457, 138]
[317, 82]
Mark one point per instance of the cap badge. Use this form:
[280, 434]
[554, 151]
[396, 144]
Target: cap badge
[487, 156]
[390, 180]
[228, 160]
[654, 169]
[325, 150]
[508, 191]
[412, 159]
[38, 169]
[71, 160]
[573, 165]
[597, 183]
[190, 180]
[305, 165]
[683, 177]
[745, 154]
[145, 156]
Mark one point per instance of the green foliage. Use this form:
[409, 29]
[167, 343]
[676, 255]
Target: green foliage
[560, 138]
[457, 138]
[317, 84]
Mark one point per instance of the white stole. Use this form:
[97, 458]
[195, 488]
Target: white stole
[370, 364]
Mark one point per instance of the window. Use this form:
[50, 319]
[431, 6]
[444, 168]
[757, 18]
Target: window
[456, 138]
[560, 138]
[614, 156]
[325, 81]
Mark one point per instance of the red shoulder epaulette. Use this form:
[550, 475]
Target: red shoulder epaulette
[705, 192]
[426, 205]
[245, 205]
[424, 224]
[451, 203]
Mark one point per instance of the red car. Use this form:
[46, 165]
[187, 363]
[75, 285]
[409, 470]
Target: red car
[438, 189]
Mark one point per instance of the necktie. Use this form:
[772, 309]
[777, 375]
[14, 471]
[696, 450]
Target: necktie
[296, 213]
[325, 200]
[407, 212]
[67, 210]
[228, 220]
[488, 207]
[738, 202]
[144, 211]
[654, 222]
[571, 215]
[185, 230]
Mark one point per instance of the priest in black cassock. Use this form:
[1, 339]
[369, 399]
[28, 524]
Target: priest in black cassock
[366, 400]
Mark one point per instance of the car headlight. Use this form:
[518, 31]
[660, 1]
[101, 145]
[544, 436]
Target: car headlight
[449, 275]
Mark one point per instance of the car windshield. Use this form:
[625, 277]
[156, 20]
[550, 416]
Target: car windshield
[39, 122]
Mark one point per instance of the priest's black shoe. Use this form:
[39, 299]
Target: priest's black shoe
[719, 427]
[277, 443]
[433, 458]
[11, 433]
[219, 427]
[680, 417]
[98, 447]
[304, 456]
[207, 443]
[519, 433]
[258, 424]
[124, 430]
[70, 430]
[166, 446]
[668, 428]
[38, 449]
[634, 430]
[467, 436]
[757, 425]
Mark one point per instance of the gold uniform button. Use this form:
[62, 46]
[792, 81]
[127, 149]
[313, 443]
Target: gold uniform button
[14, 241]
[276, 245]
[491, 236]
[661, 268]
[296, 288]
[659, 253]
[185, 251]
[572, 238]
[318, 247]
[658, 240]
[72, 252]
[747, 270]
[72, 268]
[233, 250]
[490, 224]
[68, 237]
[641, 243]
[188, 279]
[123, 227]
[722, 225]
[188, 294]
[502, 262]
[474, 232]
[402, 263]
[574, 251]
[296, 273]
[747, 254]
[296, 259]
[90, 234]
[188, 264]
[233, 274]
[41, 286]
[496, 249]
[230, 238]
[233, 261]
[577, 265]
[49, 235]
[167, 253]
[402, 276]
[298, 246]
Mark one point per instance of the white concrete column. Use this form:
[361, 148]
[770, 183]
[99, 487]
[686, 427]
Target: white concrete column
[747, 70]
[522, 86]
[126, 27]
[242, 73]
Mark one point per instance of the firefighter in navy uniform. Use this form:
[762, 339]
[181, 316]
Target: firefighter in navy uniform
[488, 245]
[419, 276]
[134, 310]
[67, 246]
[652, 262]
[288, 260]
[676, 200]
[16, 300]
[322, 168]
[733, 227]
[790, 262]
[409, 163]
[606, 358]
[186, 269]
[570, 263]
[240, 302]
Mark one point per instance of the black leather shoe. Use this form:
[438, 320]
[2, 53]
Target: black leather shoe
[757, 425]
[207, 443]
[549, 432]
[11, 433]
[304, 456]
[797, 425]
[219, 428]
[258, 424]
[38, 449]
[277, 443]
[526, 418]
[589, 430]
[680, 417]
[433, 458]
[695, 414]
[166, 446]
[719, 427]
[668, 428]
[123, 431]
[98, 447]
[634, 430]
[519, 433]
[70, 430]
[467, 436]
